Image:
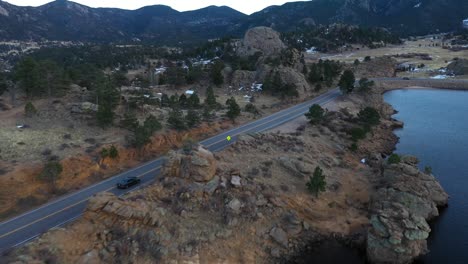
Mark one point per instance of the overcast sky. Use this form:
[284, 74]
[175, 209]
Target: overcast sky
[245, 6]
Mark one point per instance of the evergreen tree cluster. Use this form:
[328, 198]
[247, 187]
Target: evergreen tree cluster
[39, 78]
[367, 118]
[324, 72]
[332, 37]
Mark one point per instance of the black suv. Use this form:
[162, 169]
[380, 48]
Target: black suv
[128, 182]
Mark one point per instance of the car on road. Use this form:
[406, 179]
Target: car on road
[128, 182]
[406, 78]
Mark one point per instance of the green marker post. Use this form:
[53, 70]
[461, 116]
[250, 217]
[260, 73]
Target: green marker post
[228, 138]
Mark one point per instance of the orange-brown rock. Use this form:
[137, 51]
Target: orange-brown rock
[197, 164]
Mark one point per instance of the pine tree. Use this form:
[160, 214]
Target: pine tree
[165, 101]
[317, 182]
[27, 75]
[152, 124]
[210, 100]
[217, 73]
[347, 81]
[192, 118]
[105, 115]
[315, 114]
[193, 101]
[207, 114]
[233, 109]
[176, 119]
[183, 101]
[174, 101]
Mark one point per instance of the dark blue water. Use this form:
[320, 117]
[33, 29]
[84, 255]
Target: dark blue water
[436, 131]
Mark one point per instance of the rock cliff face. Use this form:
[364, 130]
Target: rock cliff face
[399, 213]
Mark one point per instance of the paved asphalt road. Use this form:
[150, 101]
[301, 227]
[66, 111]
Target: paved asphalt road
[21, 229]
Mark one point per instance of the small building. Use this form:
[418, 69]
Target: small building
[465, 23]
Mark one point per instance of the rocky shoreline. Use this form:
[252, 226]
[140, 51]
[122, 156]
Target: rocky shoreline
[404, 201]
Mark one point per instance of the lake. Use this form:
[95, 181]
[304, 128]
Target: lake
[436, 131]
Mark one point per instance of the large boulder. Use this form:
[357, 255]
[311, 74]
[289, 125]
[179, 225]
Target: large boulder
[198, 165]
[399, 213]
[261, 39]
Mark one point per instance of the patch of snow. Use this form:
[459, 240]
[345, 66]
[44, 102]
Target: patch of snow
[256, 87]
[440, 77]
[312, 50]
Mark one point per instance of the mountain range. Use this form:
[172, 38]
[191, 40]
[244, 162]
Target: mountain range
[66, 20]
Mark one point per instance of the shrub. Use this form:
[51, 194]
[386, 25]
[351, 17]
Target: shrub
[367, 58]
[250, 108]
[51, 173]
[365, 85]
[113, 152]
[104, 153]
[369, 116]
[357, 133]
[315, 114]
[318, 87]
[428, 170]
[30, 110]
[317, 182]
[394, 159]
[354, 147]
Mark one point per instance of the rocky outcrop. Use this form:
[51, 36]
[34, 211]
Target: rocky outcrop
[196, 164]
[399, 213]
[244, 79]
[261, 39]
[84, 108]
[459, 67]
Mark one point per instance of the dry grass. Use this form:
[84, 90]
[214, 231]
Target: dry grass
[440, 57]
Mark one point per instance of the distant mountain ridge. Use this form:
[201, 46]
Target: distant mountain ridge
[66, 20]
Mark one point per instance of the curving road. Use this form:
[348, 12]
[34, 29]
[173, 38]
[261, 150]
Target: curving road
[21, 229]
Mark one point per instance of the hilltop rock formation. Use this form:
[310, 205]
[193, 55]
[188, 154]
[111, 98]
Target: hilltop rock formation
[400, 210]
[261, 39]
